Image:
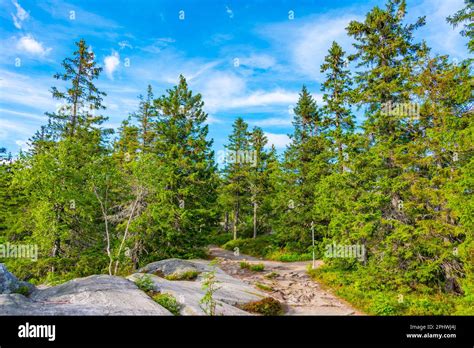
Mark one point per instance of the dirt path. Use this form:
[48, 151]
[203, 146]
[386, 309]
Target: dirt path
[287, 282]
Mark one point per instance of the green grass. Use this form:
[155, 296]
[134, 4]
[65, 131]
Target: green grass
[263, 287]
[284, 256]
[259, 267]
[168, 301]
[188, 275]
[22, 290]
[271, 275]
[266, 247]
[373, 296]
[145, 283]
[258, 247]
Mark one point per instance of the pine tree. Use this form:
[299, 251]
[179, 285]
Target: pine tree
[385, 48]
[338, 116]
[465, 15]
[82, 98]
[305, 161]
[183, 206]
[145, 116]
[237, 196]
[258, 177]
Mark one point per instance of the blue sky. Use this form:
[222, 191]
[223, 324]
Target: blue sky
[247, 58]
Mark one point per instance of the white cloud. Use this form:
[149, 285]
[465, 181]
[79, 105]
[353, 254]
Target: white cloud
[158, 45]
[264, 98]
[28, 115]
[27, 91]
[29, 45]
[7, 128]
[259, 61]
[23, 145]
[124, 44]
[306, 45]
[225, 91]
[21, 15]
[111, 63]
[280, 141]
[229, 12]
[273, 122]
[439, 34]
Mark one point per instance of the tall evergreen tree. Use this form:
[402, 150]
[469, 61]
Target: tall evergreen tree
[465, 15]
[183, 207]
[82, 98]
[145, 116]
[258, 176]
[236, 193]
[306, 159]
[338, 116]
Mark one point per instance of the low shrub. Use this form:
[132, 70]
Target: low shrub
[188, 275]
[271, 275]
[145, 283]
[256, 268]
[169, 302]
[267, 306]
[259, 267]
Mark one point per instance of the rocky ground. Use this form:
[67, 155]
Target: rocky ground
[111, 295]
[287, 282]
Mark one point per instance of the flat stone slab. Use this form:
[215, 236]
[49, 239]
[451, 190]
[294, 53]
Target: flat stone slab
[232, 291]
[94, 295]
[10, 284]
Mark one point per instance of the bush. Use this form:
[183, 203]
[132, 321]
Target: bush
[256, 268]
[271, 275]
[259, 267]
[22, 290]
[145, 283]
[244, 265]
[267, 306]
[283, 256]
[188, 275]
[219, 239]
[258, 247]
[169, 302]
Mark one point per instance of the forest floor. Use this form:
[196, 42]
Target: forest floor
[288, 282]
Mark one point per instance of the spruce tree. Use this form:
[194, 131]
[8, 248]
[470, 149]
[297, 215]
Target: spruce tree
[465, 15]
[237, 196]
[82, 98]
[338, 116]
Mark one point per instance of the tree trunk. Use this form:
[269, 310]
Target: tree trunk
[226, 222]
[126, 231]
[255, 206]
[236, 218]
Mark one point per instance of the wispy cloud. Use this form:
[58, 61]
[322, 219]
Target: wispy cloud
[305, 43]
[61, 10]
[26, 91]
[20, 16]
[230, 13]
[284, 121]
[439, 35]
